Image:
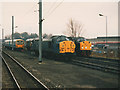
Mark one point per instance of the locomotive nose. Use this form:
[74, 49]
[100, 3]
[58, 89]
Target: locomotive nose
[86, 45]
[67, 47]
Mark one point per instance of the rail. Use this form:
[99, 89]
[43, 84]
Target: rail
[106, 65]
[37, 83]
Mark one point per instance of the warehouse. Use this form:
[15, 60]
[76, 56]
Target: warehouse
[113, 41]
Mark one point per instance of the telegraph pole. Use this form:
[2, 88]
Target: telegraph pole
[12, 31]
[40, 30]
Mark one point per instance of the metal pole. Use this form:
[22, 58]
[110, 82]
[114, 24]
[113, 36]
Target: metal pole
[106, 38]
[40, 30]
[12, 32]
[106, 33]
[106, 30]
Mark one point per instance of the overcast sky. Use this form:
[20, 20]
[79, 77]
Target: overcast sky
[86, 13]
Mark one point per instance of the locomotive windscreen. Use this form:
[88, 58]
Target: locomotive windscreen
[81, 39]
[20, 42]
[62, 38]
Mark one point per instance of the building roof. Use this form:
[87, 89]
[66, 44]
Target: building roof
[110, 37]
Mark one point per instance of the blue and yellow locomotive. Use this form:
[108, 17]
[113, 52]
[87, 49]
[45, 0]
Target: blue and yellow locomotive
[57, 45]
[83, 47]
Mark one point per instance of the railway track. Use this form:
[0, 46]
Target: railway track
[21, 76]
[106, 65]
[6, 72]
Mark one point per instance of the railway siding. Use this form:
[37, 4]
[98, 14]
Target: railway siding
[22, 78]
[109, 65]
[60, 74]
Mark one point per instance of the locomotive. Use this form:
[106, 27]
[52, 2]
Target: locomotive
[17, 44]
[83, 47]
[28, 44]
[57, 45]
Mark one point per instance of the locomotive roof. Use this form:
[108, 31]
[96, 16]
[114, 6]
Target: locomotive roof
[29, 39]
[47, 39]
[44, 39]
[75, 37]
[56, 36]
[13, 40]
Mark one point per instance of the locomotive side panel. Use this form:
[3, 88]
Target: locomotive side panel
[47, 46]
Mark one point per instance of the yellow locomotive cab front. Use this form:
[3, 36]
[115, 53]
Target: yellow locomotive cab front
[19, 44]
[85, 45]
[67, 47]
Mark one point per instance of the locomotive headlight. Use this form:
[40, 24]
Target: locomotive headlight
[63, 45]
[73, 45]
[82, 47]
[90, 47]
[85, 47]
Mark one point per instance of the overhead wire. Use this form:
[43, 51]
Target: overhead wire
[30, 10]
[53, 10]
[51, 7]
[48, 13]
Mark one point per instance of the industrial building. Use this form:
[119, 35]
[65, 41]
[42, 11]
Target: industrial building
[113, 41]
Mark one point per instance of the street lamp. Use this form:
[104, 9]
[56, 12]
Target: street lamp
[106, 31]
[100, 15]
[106, 25]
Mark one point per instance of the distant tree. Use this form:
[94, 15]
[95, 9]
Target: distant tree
[47, 35]
[33, 35]
[17, 35]
[7, 37]
[25, 35]
[50, 35]
[74, 28]
[44, 35]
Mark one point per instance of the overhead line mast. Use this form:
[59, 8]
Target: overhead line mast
[40, 30]
[12, 32]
